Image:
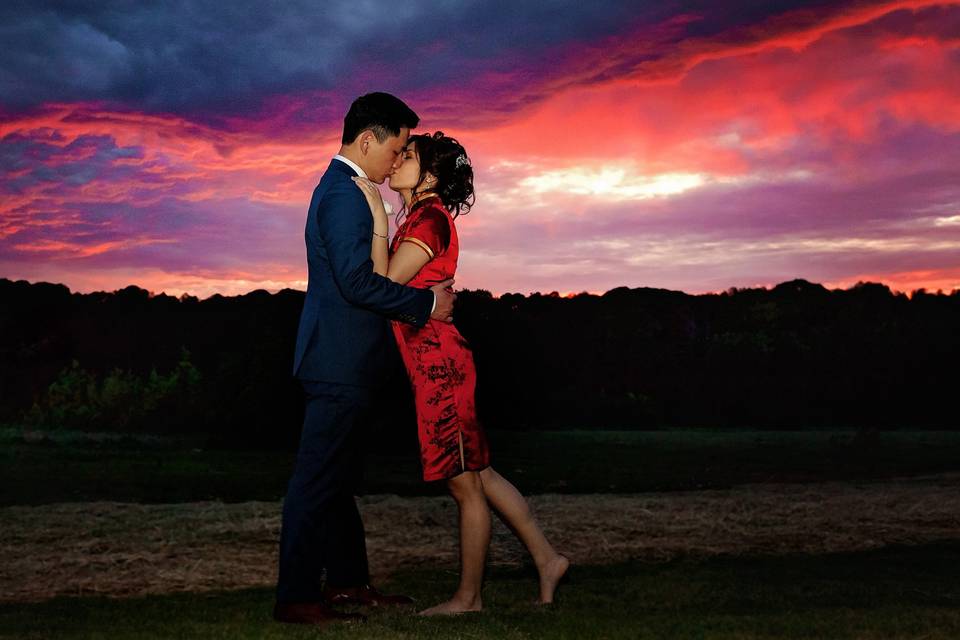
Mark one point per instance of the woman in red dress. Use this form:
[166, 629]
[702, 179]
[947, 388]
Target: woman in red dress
[435, 181]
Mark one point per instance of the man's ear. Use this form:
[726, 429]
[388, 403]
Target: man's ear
[365, 139]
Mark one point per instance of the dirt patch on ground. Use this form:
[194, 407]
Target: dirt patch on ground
[130, 549]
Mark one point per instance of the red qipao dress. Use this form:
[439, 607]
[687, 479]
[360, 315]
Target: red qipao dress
[437, 358]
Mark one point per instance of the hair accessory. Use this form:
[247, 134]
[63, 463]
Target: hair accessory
[461, 160]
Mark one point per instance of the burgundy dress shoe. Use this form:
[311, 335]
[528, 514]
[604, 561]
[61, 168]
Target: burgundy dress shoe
[312, 613]
[366, 595]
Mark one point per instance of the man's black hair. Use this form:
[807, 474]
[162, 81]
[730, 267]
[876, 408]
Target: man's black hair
[382, 113]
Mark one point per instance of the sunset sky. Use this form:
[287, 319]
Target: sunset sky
[690, 146]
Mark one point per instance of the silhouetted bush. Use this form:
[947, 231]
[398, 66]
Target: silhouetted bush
[121, 400]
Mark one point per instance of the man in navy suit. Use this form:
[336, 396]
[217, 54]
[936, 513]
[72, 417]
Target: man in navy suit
[340, 360]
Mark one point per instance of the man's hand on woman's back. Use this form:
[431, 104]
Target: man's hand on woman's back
[445, 297]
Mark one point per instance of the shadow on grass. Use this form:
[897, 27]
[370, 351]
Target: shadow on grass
[896, 592]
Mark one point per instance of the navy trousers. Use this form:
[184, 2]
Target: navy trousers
[321, 531]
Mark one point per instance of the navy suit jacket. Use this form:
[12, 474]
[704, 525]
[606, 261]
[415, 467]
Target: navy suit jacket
[344, 329]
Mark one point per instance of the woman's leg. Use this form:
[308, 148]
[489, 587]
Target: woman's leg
[467, 490]
[513, 508]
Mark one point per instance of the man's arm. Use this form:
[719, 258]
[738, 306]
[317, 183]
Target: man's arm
[346, 228]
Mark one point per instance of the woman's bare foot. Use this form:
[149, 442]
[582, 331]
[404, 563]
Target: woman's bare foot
[452, 607]
[550, 576]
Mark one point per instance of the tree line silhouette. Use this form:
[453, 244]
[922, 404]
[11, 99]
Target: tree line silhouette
[797, 356]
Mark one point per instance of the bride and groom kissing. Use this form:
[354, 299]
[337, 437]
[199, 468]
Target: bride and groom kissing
[364, 290]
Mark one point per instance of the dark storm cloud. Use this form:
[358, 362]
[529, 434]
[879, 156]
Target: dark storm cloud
[202, 59]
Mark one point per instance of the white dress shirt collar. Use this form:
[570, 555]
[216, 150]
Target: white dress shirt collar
[350, 163]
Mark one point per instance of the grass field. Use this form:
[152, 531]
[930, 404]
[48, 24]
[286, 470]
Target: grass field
[64, 467]
[897, 592]
[707, 562]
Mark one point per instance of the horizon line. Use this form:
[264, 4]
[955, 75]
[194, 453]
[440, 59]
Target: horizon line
[556, 294]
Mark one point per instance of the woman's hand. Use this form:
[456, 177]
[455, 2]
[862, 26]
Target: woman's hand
[374, 199]
[381, 227]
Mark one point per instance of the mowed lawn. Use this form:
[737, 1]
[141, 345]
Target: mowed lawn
[66, 467]
[897, 592]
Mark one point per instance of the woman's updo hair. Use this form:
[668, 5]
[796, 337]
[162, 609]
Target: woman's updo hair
[447, 160]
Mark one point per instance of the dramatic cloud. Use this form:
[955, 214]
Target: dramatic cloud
[695, 146]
